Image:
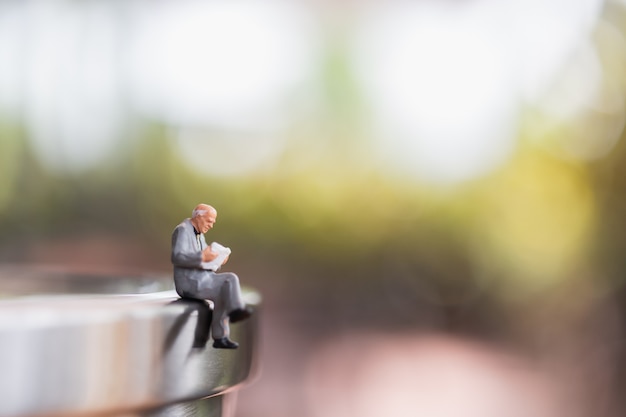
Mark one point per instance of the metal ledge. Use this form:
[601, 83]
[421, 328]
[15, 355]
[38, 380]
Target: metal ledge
[133, 354]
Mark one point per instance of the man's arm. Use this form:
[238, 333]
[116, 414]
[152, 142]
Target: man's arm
[184, 252]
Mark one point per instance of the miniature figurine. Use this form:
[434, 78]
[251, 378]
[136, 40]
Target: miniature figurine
[195, 265]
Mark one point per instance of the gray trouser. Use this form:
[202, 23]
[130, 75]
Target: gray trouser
[223, 289]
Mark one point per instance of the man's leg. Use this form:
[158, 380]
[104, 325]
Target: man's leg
[231, 292]
[223, 289]
[235, 307]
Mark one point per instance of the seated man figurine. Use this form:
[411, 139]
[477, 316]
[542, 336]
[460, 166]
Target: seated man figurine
[195, 276]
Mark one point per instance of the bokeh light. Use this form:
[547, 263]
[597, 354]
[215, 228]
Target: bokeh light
[444, 95]
[220, 63]
[540, 36]
[534, 228]
[586, 105]
[362, 375]
[66, 82]
[228, 152]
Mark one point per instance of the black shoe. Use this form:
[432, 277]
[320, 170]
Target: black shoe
[239, 314]
[225, 343]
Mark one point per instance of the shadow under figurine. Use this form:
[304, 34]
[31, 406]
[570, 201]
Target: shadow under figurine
[195, 265]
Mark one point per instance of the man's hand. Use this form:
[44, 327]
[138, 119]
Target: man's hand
[208, 255]
[226, 259]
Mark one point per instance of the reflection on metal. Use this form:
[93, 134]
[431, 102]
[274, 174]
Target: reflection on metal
[96, 350]
[220, 405]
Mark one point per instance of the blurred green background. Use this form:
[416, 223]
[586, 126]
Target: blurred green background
[456, 167]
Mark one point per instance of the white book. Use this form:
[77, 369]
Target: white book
[222, 253]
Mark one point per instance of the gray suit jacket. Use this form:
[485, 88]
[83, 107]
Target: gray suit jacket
[187, 258]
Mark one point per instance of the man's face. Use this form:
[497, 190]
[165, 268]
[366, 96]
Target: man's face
[206, 221]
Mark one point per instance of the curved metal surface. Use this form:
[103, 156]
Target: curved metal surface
[218, 406]
[104, 353]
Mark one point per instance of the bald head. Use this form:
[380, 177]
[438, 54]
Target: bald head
[203, 217]
[201, 209]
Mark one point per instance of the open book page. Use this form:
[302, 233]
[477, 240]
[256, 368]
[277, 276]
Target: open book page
[222, 253]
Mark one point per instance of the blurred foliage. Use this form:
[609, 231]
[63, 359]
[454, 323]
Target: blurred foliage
[327, 216]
